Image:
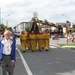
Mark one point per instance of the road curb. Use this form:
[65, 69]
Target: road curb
[68, 46]
[55, 45]
[63, 46]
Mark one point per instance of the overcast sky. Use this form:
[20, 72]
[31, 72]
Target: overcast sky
[51, 10]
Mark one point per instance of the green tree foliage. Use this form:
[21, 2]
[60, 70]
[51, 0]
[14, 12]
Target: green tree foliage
[1, 25]
[28, 28]
[2, 28]
[10, 29]
[73, 30]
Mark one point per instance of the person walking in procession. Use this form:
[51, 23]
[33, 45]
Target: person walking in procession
[23, 38]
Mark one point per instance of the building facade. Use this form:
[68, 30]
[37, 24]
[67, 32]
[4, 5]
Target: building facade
[21, 26]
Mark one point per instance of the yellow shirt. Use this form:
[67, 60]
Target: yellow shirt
[47, 35]
[32, 36]
[23, 36]
[40, 36]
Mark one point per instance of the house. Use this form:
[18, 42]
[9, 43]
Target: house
[21, 26]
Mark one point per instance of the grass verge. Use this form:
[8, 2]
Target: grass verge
[66, 44]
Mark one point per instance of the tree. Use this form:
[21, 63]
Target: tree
[2, 28]
[1, 25]
[73, 30]
[10, 29]
[28, 28]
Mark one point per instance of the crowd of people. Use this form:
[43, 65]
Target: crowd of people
[34, 41]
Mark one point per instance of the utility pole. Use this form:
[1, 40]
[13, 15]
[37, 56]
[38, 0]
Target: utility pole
[0, 17]
[66, 27]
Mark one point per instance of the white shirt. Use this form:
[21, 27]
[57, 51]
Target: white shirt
[11, 37]
[7, 47]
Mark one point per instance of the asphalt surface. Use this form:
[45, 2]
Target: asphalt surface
[59, 41]
[56, 61]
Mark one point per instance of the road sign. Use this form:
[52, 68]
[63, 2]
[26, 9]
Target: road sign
[70, 28]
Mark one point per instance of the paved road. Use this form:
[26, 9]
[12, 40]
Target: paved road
[60, 41]
[57, 61]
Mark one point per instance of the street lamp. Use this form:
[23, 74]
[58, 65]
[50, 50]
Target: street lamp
[66, 16]
[5, 17]
[66, 27]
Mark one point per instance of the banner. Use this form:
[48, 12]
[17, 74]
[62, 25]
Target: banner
[48, 23]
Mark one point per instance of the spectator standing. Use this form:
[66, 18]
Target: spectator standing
[7, 54]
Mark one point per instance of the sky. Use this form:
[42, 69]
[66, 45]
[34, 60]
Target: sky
[17, 11]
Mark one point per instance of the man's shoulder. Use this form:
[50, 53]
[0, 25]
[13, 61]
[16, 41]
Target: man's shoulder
[2, 41]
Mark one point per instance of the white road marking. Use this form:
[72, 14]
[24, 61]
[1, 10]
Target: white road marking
[24, 63]
[0, 70]
[53, 47]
